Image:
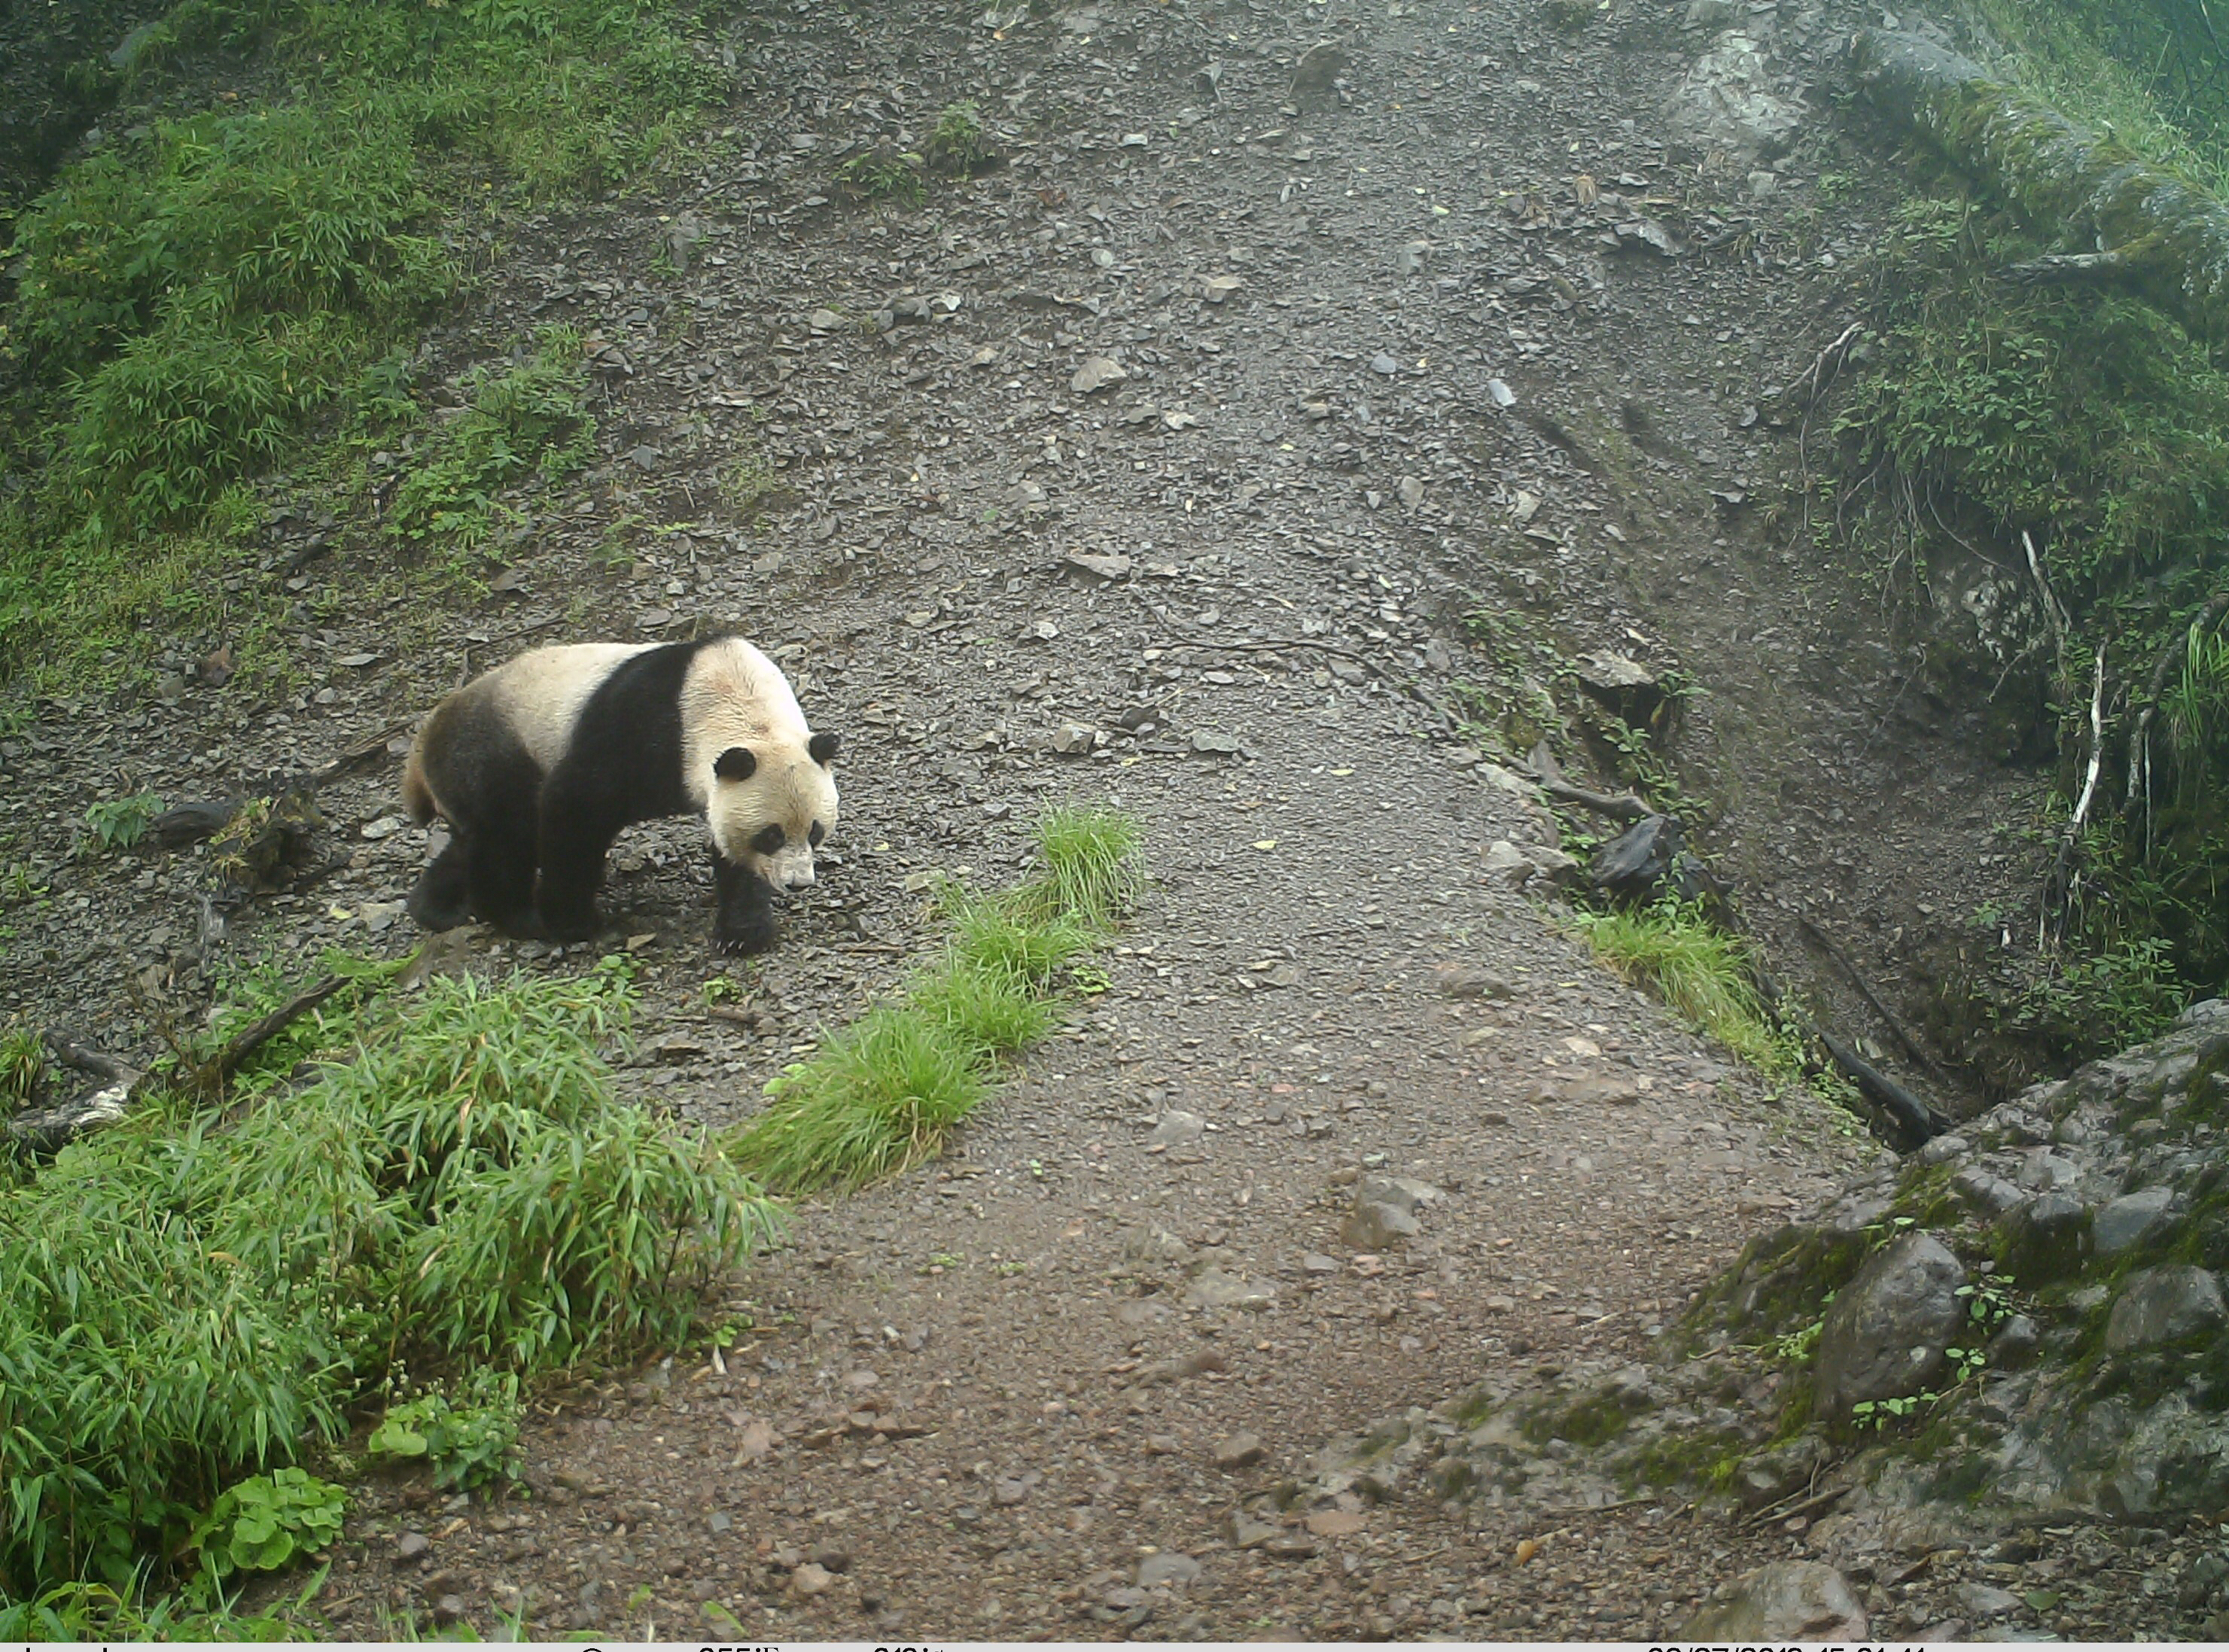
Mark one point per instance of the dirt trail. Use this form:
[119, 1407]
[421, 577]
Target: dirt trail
[1009, 1394]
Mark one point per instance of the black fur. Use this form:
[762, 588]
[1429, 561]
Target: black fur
[528, 850]
[822, 748]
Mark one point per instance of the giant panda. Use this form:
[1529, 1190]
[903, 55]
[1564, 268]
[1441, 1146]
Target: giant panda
[538, 764]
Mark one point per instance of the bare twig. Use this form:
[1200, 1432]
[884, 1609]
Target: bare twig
[2063, 866]
[1819, 365]
[2054, 614]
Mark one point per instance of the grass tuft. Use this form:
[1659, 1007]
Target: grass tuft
[880, 1096]
[1093, 862]
[876, 1100]
[1703, 973]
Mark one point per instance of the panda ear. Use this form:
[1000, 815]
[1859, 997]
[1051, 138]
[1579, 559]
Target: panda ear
[736, 763]
[822, 748]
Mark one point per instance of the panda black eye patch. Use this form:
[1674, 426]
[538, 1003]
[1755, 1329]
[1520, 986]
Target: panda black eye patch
[817, 832]
[769, 840]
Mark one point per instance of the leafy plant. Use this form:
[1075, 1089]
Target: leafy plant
[23, 1064]
[531, 420]
[263, 1522]
[882, 175]
[958, 142]
[471, 1442]
[1702, 972]
[194, 1295]
[118, 823]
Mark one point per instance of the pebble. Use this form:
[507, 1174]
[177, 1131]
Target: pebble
[810, 1578]
[1241, 1450]
[411, 1545]
[1166, 1567]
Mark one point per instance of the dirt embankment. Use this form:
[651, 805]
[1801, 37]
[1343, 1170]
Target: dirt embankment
[1411, 316]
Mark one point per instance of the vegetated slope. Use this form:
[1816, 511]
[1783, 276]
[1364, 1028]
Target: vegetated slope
[865, 430]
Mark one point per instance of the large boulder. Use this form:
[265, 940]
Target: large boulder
[1787, 1600]
[2134, 1219]
[2163, 1305]
[1886, 1334]
[1731, 100]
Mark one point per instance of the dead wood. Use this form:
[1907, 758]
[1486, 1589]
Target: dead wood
[2165, 236]
[1905, 1041]
[1915, 1122]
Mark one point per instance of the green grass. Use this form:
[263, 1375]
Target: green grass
[529, 422]
[880, 1096]
[1701, 972]
[196, 1296]
[206, 293]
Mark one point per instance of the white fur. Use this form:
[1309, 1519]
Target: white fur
[541, 693]
[734, 695]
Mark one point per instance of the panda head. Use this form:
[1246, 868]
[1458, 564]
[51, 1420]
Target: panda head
[770, 807]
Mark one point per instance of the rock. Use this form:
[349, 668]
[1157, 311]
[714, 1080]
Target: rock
[1074, 739]
[1552, 863]
[1167, 1568]
[411, 1545]
[1726, 102]
[2015, 1343]
[829, 1557]
[1097, 373]
[447, 1609]
[1885, 1333]
[1650, 853]
[1383, 365]
[811, 1580]
[1320, 66]
[1248, 1533]
[1787, 1600]
[1626, 686]
[2164, 1304]
[1471, 981]
[1207, 743]
[1218, 288]
[1241, 1450]
[1175, 1129]
[2133, 1220]
[1944, 1149]
[1093, 568]
[1985, 1600]
[1711, 13]
[1212, 1287]
[1153, 1243]
[2049, 1239]
[1990, 1195]
[1411, 492]
[1605, 1090]
[1372, 1225]
[1500, 395]
[1504, 861]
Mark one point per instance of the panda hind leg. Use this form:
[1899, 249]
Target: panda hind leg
[745, 922]
[499, 870]
[443, 898]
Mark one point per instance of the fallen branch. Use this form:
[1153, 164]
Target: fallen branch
[1914, 1119]
[2058, 268]
[44, 1131]
[1807, 1502]
[1865, 991]
[1819, 363]
[1624, 807]
[211, 1075]
[2170, 235]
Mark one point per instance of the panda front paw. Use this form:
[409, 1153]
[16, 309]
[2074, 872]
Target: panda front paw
[741, 940]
